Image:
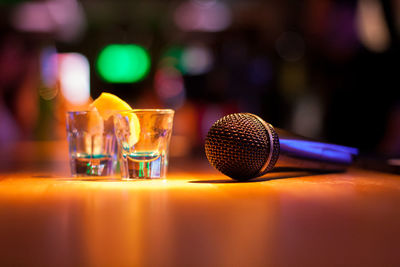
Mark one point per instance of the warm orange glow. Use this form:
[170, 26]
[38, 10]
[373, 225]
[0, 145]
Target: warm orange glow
[200, 217]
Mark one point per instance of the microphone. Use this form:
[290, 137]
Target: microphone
[243, 146]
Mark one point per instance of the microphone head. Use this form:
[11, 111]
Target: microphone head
[242, 146]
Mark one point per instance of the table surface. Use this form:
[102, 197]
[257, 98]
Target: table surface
[198, 217]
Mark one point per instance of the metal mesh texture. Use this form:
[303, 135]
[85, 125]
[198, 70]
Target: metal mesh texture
[238, 145]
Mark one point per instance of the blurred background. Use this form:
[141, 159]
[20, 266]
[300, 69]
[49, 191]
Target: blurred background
[326, 69]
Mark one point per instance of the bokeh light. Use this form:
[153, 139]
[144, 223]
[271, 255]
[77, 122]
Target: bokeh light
[260, 71]
[371, 27]
[32, 17]
[74, 77]
[48, 72]
[197, 59]
[173, 58]
[169, 86]
[205, 15]
[308, 116]
[123, 63]
[65, 19]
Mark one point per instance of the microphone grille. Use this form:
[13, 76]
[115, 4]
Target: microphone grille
[239, 146]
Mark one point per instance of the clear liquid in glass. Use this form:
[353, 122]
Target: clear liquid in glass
[146, 165]
[83, 164]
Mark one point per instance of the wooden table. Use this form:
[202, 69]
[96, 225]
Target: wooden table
[198, 217]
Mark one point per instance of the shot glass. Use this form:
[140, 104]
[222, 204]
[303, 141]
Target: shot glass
[143, 137]
[92, 144]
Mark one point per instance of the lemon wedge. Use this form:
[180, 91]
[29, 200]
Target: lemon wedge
[107, 104]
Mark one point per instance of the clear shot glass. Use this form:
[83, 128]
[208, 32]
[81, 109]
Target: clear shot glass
[92, 144]
[143, 137]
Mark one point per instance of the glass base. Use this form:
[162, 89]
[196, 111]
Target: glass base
[144, 165]
[92, 165]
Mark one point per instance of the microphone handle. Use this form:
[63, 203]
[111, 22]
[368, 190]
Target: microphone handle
[298, 152]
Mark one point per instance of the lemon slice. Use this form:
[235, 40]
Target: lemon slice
[107, 104]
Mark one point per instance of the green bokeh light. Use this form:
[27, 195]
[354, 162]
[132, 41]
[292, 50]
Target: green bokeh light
[123, 63]
[173, 58]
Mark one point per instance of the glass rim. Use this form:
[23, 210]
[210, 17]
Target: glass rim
[155, 110]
